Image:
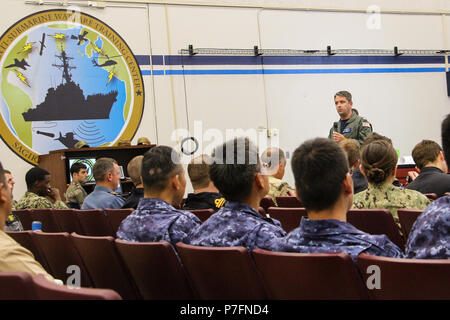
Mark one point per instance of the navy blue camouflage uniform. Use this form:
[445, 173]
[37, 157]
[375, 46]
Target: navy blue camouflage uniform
[238, 224]
[155, 220]
[430, 235]
[322, 236]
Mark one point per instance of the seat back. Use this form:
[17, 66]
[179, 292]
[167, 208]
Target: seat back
[294, 276]
[431, 196]
[48, 290]
[289, 217]
[105, 265]
[407, 218]
[406, 279]
[45, 216]
[376, 221]
[222, 273]
[25, 239]
[156, 269]
[94, 223]
[203, 214]
[116, 216]
[67, 220]
[266, 202]
[288, 202]
[24, 217]
[16, 286]
[60, 253]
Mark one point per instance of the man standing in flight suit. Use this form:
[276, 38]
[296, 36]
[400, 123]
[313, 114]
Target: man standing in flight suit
[350, 125]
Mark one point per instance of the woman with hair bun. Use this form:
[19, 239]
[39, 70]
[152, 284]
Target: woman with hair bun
[379, 165]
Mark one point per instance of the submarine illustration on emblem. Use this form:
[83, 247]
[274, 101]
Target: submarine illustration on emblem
[67, 101]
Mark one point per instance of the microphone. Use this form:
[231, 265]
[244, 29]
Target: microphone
[335, 126]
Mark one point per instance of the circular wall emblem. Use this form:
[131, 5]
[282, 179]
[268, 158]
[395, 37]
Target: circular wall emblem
[66, 77]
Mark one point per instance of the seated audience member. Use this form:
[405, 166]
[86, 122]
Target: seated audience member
[134, 169]
[107, 177]
[379, 165]
[433, 177]
[325, 187]
[275, 159]
[206, 195]
[155, 218]
[351, 148]
[40, 195]
[75, 193]
[236, 172]
[430, 235]
[13, 257]
[12, 222]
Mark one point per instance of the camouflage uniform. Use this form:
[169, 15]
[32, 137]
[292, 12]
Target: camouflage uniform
[237, 224]
[319, 236]
[430, 235]
[357, 128]
[31, 200]
[13, 223]
[156, 220]
[279, 188]
[13, 205]
[387, 196]
[75, 193]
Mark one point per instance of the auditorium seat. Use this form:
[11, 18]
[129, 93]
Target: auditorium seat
[48, 290]
[288, 202]
[94, 223]
[45, 216]
[67, 220]
[376, 221]
[156, 269]
[406, 279]
[105, 265]
[289, 217]
[407, 218]
[60, 253]
[25, 239]
[16, 286]
[266, 202]
[116, 216]
[24, 217]
[431, 196]
[306, 276]
[222, 273]
[203, 214]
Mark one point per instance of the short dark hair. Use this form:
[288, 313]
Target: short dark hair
[425, 152]
[198, 171]
[235, 164]
[379, 160]
[76, 167]
[445, 132]
[35, 174]
[347, 95]
[2, 175]
[101, 167]
[134, 169]
[319, 166]
[351, 149]
[158, 166]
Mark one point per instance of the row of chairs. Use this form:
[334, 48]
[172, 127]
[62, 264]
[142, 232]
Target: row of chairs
[106, 222]
[156, 271]
[22, 286]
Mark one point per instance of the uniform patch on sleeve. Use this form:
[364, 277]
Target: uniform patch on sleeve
[366, 124]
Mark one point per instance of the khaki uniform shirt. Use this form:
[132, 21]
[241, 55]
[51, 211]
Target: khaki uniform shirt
[357, 128]
[75, 193]
[31, 200]
[279, 188]
[387, 196]
[14, 258]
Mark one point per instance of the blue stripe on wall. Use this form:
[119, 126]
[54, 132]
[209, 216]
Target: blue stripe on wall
[144, 60]
[301, 71]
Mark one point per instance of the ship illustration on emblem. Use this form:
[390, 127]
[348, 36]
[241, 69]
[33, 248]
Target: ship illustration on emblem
[67, 101]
